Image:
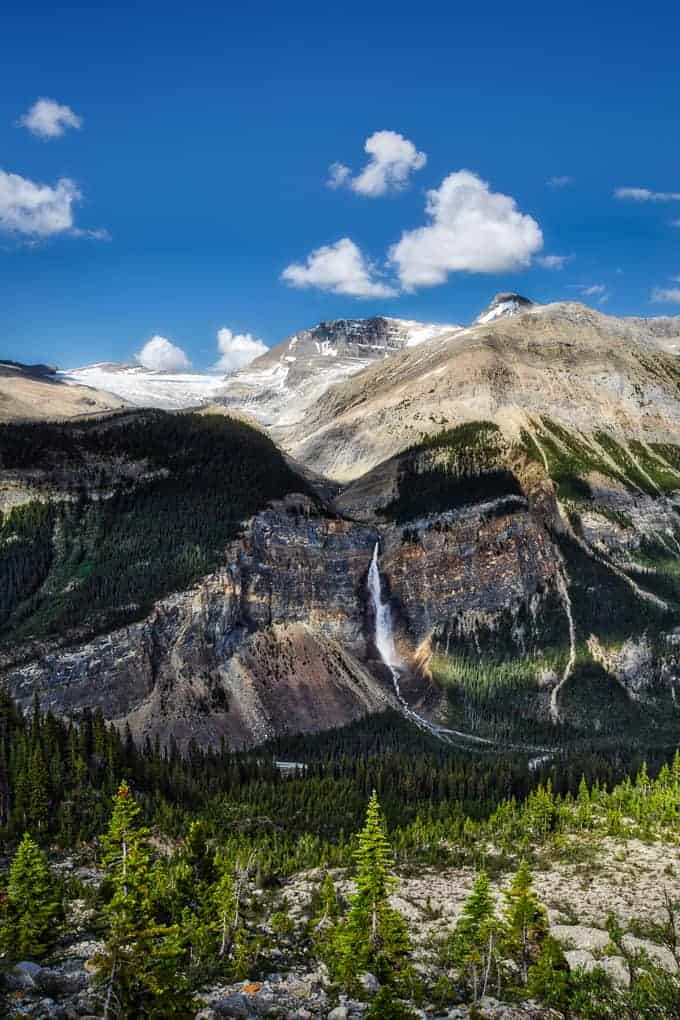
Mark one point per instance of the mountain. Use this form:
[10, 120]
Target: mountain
[569, 362]
[503, 305]
[278, 386]
[37, 391]
[143, 387]
[481, 530]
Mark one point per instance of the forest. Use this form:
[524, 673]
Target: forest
[127, 509]
[190, 852]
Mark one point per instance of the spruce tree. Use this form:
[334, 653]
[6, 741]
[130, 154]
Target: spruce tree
[374, 936]
[32, 907]
[525, 922]
[474, 944]
[140, 967]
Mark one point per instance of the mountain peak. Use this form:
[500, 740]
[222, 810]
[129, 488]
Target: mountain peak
[504, 304]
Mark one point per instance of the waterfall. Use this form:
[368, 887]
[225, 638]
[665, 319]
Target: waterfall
[384, 640]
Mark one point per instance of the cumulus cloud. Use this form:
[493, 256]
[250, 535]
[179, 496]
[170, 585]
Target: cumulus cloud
[556, 262]
[36, 209]
[472, 229]
[666, 295]
[562, 181]
[237, 350]
[160, 355]
[392, 160]
[339, 268]
[645, 195]
[49, 119]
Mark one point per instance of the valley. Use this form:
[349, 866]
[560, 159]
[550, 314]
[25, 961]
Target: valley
[437, 563]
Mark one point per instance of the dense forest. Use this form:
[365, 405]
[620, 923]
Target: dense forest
[128, 509]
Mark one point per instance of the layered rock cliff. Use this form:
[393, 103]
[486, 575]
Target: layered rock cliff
[274, 642]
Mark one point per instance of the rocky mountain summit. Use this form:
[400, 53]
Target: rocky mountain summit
[278, 386]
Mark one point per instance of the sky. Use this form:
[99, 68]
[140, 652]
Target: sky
[185, 183]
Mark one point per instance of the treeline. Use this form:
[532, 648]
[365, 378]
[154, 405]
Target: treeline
[124, 539]
[57, 778]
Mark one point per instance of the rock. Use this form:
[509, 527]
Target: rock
[369, 983]
[614, 966]
[617, 969]
[236, 1006]
[579, 958]
[26, 973]
[658, 954]
[579, 936]
[339, 1013]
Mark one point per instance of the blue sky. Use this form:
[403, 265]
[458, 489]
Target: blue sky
[207, 133]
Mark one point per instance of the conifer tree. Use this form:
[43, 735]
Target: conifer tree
[525, 921]
[548, 978]
[32, 907]
[474, 944]
[374, 936]
[140, 967]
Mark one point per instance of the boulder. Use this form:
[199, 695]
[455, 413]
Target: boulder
[369, 983]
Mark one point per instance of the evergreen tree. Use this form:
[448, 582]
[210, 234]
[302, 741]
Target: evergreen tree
[548, 978]
[525, 922]
[474, 944]
[374, 936]
[32, 907]
[140, 968]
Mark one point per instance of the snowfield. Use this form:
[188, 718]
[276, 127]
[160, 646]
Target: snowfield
[144, 388]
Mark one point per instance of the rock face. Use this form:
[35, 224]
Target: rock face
[272, 643]
[280, 385]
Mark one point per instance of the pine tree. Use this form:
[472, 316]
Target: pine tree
[525, 922]
[374, 936]
[474, 944]
[140, 967]
[32, 908]
[548, 978]
[38, 782]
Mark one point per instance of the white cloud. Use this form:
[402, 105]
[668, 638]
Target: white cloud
[393, 159]
[339, 268]
[237, 350]
[594, 290]
[556, 262]
[600, 291]
[666, 295]
[472, 230]
[36, 209]
[338, 174]
[645, 195]
[49, 119]
[562, 181]
[161, 355]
